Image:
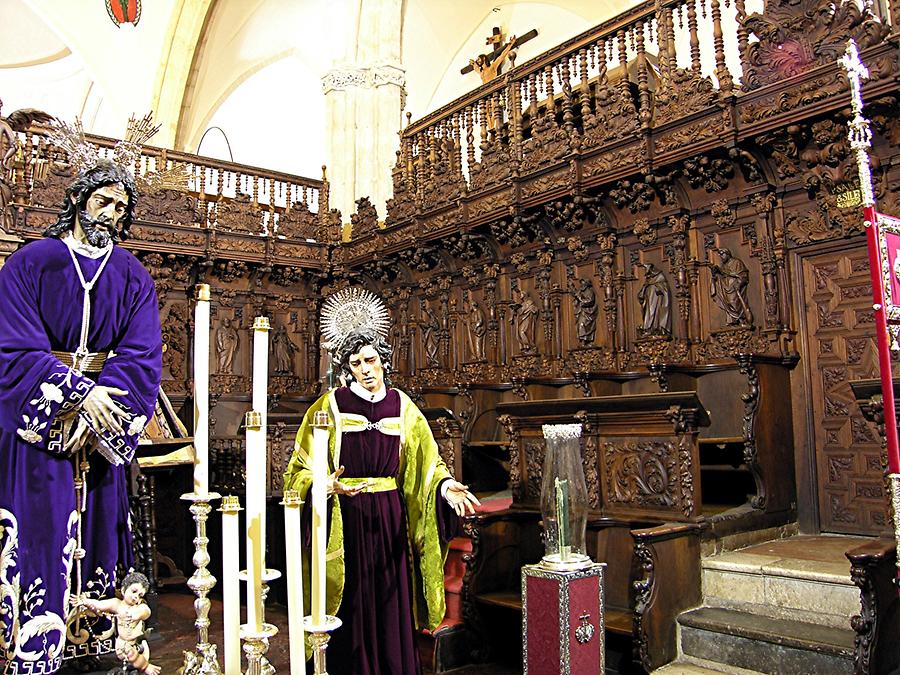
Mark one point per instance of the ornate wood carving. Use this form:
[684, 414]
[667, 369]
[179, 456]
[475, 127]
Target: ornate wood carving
[641, 474]
[841, 348]
[797, 36]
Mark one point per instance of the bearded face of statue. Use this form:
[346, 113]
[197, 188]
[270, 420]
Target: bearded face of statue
[98, 218]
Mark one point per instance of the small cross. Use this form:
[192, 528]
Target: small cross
[856, 73]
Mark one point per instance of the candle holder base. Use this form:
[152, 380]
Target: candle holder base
[318, 640]
[573, 562]
[256, 644]
[202, 661]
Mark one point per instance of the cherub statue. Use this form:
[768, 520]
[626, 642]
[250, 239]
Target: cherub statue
[130, 613]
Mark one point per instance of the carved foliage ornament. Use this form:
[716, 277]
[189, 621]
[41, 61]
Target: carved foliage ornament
[795, 36]
[641, 473]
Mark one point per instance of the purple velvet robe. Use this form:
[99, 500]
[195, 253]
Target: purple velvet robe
[378, 634]
[40, 310]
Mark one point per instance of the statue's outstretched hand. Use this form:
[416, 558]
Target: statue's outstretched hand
[459, 497]
[337, 487]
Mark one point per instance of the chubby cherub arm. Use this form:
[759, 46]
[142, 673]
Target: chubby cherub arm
[108, 606]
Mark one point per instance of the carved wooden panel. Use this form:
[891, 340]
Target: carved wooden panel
[841, 347]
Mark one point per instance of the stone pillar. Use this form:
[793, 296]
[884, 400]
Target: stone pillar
[364, 101]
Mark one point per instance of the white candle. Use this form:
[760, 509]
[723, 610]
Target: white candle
[260, 404]
[256, 506]
[201, 390]
[294, 562]
[231, 590]
[319, 514]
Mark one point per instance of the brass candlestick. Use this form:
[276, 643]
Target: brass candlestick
[203, 660]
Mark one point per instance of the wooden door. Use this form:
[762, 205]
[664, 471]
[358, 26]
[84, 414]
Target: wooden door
[840, 346]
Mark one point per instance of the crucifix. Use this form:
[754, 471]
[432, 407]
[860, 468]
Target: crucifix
[488, 65]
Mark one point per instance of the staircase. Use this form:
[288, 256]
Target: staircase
[782, 607]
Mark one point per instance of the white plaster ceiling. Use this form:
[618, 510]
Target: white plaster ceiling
[252, 67]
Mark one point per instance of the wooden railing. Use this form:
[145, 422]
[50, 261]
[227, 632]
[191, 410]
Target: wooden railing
[264, 196]
[647, 68]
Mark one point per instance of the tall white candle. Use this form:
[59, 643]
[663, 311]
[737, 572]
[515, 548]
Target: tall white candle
[294, 564]
[260, 404]
[319, 514]
[231, 590]
[256, 506]
[201, 390]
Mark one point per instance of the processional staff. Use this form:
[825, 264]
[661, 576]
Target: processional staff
[879, 229]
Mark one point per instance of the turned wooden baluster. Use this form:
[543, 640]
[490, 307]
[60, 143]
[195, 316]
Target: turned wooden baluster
[670, 40]
[726, 84]
[470, 138]
[568, 99]
[456, 132]
[24, 183]
[662, 41]
[498, 114]
[583, 89]
[532, 97]
[742, 35]
[623, 63]
[513, 96]
[694, 36]
[643, 89]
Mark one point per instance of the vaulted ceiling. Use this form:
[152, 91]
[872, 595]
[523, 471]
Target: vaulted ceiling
[250, 71]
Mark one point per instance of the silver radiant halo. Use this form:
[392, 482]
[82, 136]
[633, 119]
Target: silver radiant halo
[349, 309]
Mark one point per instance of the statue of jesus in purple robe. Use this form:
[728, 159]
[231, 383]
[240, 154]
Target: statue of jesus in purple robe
[80, 367]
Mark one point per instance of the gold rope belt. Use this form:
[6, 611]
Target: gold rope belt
[90, 363]
[380, 484]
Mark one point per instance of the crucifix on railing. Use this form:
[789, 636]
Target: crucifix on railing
[489, 65]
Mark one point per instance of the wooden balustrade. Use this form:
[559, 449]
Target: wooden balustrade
[638, 75]
[260, 201]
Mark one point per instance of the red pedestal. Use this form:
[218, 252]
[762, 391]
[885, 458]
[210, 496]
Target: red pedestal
[562, 621]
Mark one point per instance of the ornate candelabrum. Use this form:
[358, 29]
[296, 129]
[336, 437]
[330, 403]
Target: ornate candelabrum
[203, 659]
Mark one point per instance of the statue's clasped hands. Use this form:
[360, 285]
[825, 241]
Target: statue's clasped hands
[104, 413]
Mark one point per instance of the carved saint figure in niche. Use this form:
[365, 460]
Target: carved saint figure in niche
[476, 328]
[730, 279]
[226, 345]
[430, 337]
[585, 299]
[283, 349]
[655, 297]
[526, 315]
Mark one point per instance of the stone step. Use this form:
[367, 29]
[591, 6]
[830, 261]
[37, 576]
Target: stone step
[818, 592]
[687, 666]
[765, 644]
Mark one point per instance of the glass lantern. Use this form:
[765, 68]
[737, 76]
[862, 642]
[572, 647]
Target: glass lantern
[564, 499]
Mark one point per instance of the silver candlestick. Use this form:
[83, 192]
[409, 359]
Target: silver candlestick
[203, 660]
[256, 644]
[318, 639]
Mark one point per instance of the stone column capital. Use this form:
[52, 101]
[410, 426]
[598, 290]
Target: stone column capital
[348, 76]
